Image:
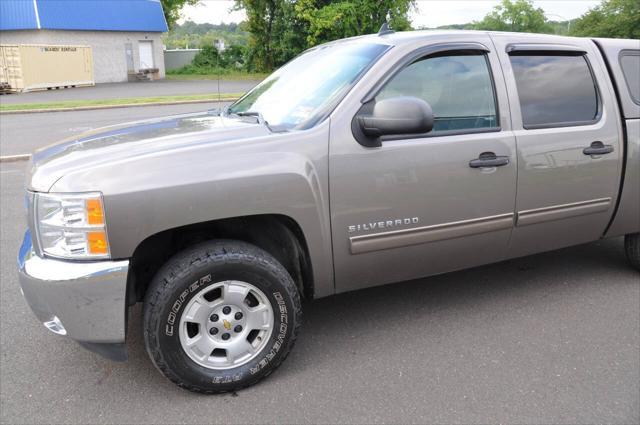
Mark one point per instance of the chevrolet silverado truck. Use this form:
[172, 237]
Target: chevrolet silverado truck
[362, 162]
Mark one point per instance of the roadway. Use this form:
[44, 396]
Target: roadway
[127, 90]
[24, 133]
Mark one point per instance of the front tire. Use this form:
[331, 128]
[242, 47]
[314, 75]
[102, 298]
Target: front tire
[220, 316]
[632, 249]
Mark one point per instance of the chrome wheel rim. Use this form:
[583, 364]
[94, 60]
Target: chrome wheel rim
[226, 325]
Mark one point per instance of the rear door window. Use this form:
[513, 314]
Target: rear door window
[630, 64]
[555, 90]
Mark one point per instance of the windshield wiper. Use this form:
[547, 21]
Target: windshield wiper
[259, 118]
[256, 114]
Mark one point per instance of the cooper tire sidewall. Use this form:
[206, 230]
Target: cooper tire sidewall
[185, 288]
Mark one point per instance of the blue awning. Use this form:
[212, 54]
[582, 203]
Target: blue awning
[17, 15]
[87, 15]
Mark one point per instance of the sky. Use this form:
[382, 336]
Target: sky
[429, 13]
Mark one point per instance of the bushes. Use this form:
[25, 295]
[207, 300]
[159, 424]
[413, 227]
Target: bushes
[208, 61]
[200, 70]
[234, 57]
[208, 57]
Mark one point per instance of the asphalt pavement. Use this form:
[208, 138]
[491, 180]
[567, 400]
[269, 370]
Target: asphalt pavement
[552, 338]
[126, 90]
[24, 133]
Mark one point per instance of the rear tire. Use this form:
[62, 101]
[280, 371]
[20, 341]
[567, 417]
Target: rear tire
[220, 316]
[632, 249]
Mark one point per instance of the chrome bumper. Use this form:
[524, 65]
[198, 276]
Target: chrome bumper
[84, 300]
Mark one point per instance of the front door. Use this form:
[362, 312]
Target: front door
[415, 206]
[569, 151]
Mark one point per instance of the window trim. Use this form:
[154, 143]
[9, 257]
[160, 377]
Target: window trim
[623, 53]
[543, 51]
[442, 133]
[423, 53]
[440, 49]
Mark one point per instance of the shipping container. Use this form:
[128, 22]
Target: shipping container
[28, 67]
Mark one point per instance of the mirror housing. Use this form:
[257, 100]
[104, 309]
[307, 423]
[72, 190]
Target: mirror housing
[393, 116]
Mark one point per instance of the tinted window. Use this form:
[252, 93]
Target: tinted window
[555, 90]
[630, 63]
[458, 88]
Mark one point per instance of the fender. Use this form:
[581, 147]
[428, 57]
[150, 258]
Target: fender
[285, 175]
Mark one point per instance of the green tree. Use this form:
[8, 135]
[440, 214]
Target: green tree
[612, 18]
[517, 15]
[172, 9]
[234, 56]
[331, 20]
[198, 35]
[280, 29]
[273, 39]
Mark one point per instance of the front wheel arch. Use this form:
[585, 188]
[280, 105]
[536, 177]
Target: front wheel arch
[279, 235]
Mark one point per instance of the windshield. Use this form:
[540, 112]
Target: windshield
[308, 87]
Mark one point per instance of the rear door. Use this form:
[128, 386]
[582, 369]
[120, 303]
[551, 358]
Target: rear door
[565, 120]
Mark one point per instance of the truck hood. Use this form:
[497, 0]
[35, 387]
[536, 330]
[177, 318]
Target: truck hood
[126, 141]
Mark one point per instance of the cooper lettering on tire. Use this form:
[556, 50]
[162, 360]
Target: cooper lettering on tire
[220, 316]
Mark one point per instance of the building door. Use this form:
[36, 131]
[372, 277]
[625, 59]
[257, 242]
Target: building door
[146, 54]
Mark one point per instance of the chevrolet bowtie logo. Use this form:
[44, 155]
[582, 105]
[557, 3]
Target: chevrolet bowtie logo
[226, 324]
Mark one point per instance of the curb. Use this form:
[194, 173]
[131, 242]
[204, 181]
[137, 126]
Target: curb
[125, 105]
[15, 158]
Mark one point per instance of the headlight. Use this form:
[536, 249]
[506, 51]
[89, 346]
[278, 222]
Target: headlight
[71, 225]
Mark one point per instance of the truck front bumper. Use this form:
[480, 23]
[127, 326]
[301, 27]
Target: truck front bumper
[85, 301]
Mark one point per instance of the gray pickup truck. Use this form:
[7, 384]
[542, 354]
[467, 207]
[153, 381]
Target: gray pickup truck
[361, 162]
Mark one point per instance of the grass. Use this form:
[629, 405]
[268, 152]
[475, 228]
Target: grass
[117, 102]
[212, 76]
[197, 72]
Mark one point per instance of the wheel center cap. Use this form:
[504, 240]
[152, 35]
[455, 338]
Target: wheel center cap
[226, 324]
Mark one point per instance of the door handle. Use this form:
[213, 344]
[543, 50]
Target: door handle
[598, 148]
[489, 159]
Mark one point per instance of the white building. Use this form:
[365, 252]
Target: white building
[125, 35]
[218, 43]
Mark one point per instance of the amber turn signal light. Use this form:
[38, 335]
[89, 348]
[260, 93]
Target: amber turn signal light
[95, 214]
[97, 243]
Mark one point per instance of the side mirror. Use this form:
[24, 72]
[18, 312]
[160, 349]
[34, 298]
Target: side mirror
[393, 116]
